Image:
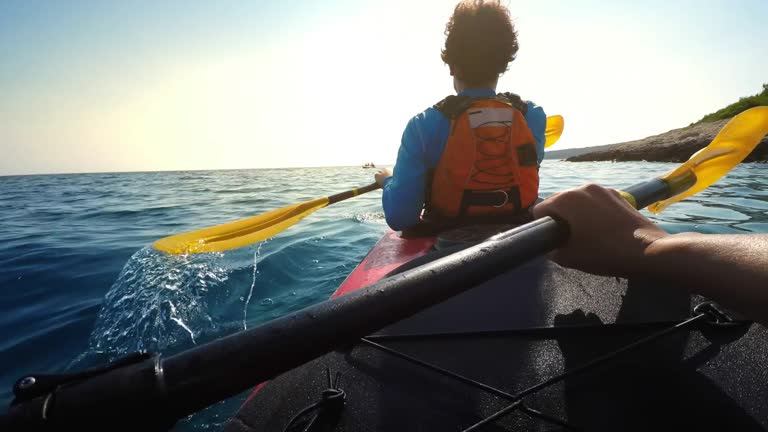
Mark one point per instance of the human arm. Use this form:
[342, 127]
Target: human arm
[731, 269]
[403, 192]
[609, 237]
[537, 122]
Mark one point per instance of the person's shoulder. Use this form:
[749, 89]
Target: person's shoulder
[429, 116]
[423, 128]
[517, 98]
[535, 111]
[533, 106]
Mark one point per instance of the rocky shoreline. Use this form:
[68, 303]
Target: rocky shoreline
[676, 145]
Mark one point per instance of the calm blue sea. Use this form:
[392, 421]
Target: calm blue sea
[79, 284]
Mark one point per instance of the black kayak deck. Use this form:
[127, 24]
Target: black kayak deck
[519, 330]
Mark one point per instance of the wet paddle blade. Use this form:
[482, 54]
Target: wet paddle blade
[733, 143]
[554, 129]
[240, 233]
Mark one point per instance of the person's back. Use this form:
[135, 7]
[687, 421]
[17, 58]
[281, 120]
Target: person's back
[475, 155]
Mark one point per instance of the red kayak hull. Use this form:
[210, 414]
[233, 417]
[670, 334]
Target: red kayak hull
[389, 253]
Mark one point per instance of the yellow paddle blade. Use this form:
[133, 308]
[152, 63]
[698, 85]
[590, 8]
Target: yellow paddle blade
[239, 233]
[555, 125]
[733, 143]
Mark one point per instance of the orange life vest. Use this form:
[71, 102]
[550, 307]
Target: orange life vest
[489, 166]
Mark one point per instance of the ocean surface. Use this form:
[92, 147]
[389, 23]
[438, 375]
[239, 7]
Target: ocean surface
[80, 285]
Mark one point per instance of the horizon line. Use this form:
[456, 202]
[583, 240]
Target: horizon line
[186, 170]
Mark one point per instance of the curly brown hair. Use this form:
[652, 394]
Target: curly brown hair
[480, 41]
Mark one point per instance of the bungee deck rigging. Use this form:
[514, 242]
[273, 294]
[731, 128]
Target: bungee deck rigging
[707, 313]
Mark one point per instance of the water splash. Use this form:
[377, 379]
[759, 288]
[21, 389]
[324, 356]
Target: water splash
[247, 301]
[159, 301]
[375, 217]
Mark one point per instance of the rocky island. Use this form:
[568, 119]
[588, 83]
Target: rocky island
[678, 145]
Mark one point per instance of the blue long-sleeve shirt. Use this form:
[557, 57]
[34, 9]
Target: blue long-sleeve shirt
[422, 145]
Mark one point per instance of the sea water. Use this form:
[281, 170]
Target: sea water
[80, 284]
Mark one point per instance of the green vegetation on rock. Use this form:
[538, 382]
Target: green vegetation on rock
[745, 103]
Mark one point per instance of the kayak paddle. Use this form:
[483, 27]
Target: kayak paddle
[553, 130]
[145, 385]
[731, 145]
[241, 233]
[254, 229]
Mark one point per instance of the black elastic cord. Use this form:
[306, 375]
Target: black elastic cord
[494, 417]
[705, 311]
[554, 420]
[589, 365]
[301, 414]
[543, 332]
[585, 367]
[440, 370]
[466, 380]
[332, 396]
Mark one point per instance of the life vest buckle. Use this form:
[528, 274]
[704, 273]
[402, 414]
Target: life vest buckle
[506, 198]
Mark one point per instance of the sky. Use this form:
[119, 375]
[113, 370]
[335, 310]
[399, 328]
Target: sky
[146, 85]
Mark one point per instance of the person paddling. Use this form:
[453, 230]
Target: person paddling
[474, 155]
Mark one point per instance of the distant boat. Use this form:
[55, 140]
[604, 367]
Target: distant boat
[369, 165]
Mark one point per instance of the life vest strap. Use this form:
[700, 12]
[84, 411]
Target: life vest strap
[495, 198]
[452, 106]
[432, 224]
[527, 156]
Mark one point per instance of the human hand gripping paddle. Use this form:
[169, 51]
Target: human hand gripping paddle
[244, 232]
[143, 386]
